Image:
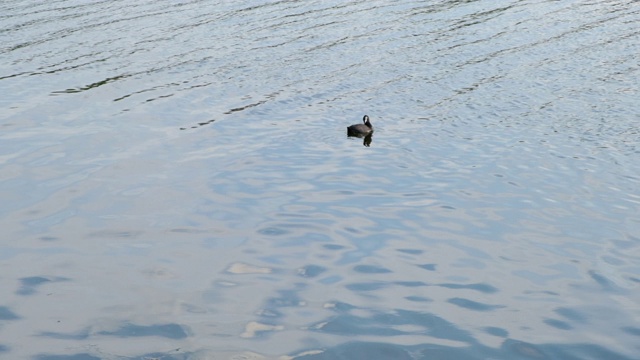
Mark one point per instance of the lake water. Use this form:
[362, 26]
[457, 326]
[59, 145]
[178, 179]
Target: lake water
[176, 181]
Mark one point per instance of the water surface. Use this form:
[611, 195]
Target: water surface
[177, 183]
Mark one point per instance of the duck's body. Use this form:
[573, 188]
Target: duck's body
[361, 129]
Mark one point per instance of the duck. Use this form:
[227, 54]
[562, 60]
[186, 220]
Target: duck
[361, 130]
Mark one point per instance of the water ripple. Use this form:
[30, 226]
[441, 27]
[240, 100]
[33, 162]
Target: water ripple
[184, 168]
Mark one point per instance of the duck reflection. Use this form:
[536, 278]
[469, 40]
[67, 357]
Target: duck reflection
[366, 139]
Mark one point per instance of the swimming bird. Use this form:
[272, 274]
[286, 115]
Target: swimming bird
[361, 130]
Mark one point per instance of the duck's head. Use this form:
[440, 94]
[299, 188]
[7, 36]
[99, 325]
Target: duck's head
[366, 121]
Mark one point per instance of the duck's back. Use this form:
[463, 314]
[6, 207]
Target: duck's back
[360, 129]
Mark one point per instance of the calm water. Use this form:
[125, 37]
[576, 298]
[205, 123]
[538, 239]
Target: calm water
[176, 181]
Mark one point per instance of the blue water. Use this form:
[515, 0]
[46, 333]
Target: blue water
[176, 181]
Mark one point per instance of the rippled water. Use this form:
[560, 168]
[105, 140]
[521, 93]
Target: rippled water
[177, 183]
